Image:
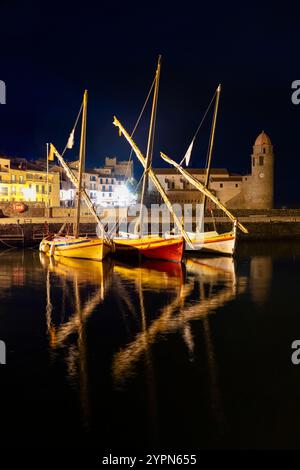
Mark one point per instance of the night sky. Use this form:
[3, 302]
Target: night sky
[50, 54]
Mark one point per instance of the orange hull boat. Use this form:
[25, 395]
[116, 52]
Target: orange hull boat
[167, 249]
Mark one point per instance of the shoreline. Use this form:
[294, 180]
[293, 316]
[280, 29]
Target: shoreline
[29, 231]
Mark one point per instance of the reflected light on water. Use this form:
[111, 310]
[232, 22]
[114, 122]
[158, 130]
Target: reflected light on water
[145, 319]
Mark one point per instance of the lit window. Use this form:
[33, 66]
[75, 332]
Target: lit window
[13, 178]
[4, 191]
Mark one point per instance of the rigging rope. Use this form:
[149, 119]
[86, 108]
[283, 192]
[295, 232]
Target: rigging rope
[137, 123]
[74, 127]
[66, 146]
[10, 247]
[135, 189]
[131, 151]
[198, 128]
[210, 137]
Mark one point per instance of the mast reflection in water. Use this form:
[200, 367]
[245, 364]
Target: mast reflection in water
[159, 355]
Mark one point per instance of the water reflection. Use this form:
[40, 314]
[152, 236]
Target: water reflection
[261, 269]
[78, 273]
[155, 353]
[12, 270]
[156, 300]
[208, 285]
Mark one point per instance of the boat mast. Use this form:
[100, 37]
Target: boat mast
[211, 144]
[150, 144]
[47, 169]
[84, 193]
[81, 162]
[154, 180]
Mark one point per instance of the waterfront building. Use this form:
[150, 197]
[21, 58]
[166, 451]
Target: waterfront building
[236, 191]
[106, 186]
[24, 181]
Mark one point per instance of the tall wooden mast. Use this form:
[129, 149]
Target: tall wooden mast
[211, 144]
[81, 162]
[150, 144]
[154, 180]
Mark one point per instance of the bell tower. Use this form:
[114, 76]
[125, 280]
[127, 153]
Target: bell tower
[262, 173]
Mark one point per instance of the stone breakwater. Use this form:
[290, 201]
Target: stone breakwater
[262, 225]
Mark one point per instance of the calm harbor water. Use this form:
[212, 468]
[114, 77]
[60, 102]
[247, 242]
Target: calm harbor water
[156, 356]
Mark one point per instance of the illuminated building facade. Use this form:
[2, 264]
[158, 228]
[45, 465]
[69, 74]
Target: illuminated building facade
[251, 191]
[21, 180]
[106, 186]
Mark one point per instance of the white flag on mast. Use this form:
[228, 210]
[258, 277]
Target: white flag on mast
[71, 140]
[187, 156]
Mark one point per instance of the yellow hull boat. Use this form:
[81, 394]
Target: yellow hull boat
[76, 247]
[214, 242]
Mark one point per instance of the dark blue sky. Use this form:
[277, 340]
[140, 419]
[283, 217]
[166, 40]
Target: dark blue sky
[50, 54]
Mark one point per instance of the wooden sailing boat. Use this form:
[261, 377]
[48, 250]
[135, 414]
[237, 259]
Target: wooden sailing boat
[76, 246]
[212, 241]
[154, 247]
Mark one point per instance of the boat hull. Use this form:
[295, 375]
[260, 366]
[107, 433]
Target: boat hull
[223, 244]
[82, 248]
[150, 248]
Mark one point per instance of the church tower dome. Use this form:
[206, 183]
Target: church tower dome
[262, 139]
[262, 174]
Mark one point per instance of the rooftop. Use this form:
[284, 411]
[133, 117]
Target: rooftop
[193, 171]
[263, 139]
